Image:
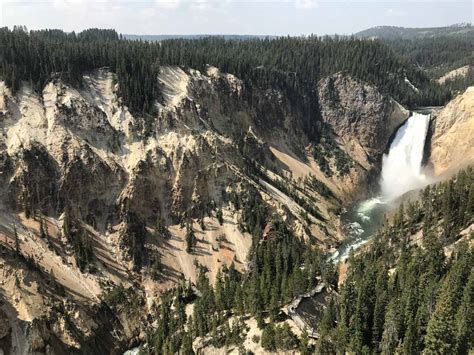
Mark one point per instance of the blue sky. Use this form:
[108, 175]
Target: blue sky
[277, 17]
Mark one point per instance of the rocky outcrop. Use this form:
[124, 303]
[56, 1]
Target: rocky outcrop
[452, 135]
[34, 183]
[37, 317]
[454, 74]
[360, 116]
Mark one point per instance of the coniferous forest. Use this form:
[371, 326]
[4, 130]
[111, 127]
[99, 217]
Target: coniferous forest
[412, 291]
[293, 64]
[405, 294]
[436, 54]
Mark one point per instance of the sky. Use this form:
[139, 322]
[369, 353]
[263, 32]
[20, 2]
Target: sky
[263, 17]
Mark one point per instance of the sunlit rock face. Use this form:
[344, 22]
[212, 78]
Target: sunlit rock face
[452, 139]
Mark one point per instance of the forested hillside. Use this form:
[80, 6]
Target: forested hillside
[289, 63]
[395, 32]
[281, 267]
[436, 55]
[412, 291]
[433, 50]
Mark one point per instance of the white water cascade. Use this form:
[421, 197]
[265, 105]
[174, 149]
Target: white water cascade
[401, 172]
[401, 168]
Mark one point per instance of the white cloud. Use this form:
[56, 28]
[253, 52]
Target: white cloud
[168, 4]
[200, 5]
[306, 4]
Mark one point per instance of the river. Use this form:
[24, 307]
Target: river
[402, 171]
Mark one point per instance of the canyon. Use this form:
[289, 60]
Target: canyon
[76, 160]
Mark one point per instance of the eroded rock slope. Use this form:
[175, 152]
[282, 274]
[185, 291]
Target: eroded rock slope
[93, 196]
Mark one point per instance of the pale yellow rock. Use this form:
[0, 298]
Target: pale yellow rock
[462, 71]
[452, 142]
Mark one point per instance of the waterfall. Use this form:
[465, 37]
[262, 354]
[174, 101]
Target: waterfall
[401, 172]
[401, 168]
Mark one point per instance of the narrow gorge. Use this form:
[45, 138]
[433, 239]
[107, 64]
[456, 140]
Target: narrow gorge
[401, 172]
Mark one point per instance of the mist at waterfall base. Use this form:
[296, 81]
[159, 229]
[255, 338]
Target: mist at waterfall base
[401, 173]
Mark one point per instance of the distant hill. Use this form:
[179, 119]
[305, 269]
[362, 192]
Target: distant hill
[393, 32]
[436, 50]
[198, 36]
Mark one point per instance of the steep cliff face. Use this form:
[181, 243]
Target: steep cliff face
[360, 116]
[97, 196]
[452, 135]
[37, 316]
[68, 136]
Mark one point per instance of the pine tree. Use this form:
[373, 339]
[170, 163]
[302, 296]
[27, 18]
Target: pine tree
[155, 265]
[324, 346]
[380, 305]
[304, 343]
[16, 240]
[441, 330]
[220, 216]
[187, 345]
[190, 241]
[201, 224]
[268, 338]
[219, 292]
[227, 333]
[465, 318]
[161, 228]
[390, 335]
[43, 230]
[328, 319]
[434, 254]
